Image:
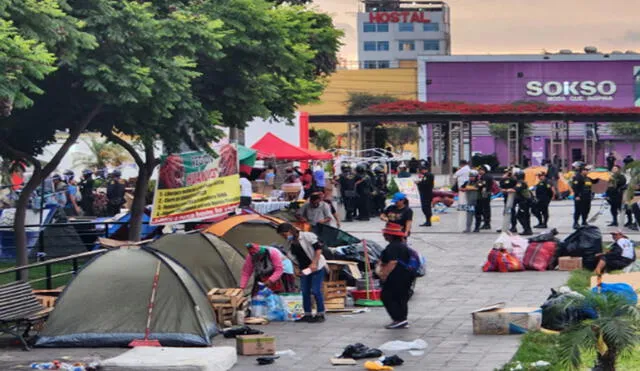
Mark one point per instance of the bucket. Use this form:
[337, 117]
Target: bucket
[362, 294]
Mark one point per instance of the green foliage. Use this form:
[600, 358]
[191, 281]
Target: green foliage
[536, 346]
[31, 34]
[501, 131]
[580, 280]
[630, 131]
[634, 180]
[359, 102]
[614, 333]
[393, 187]
[399, 135]
[322, 138]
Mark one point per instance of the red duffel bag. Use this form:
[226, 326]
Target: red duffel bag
[499, 260]
[539, 255]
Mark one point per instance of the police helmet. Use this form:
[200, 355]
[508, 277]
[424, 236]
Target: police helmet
[56, 177]
[116, 173]
[485, 167]
[379, 169]
[519, 174]
[578, 165]
[87, 172]
[361, 168]
[69, 173]
[473, 173]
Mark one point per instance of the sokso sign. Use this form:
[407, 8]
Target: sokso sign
[572, 90]
[397, 17]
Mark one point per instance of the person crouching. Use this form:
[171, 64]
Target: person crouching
[396, 280]
[621, 254]
[269, 266]
[304, 249]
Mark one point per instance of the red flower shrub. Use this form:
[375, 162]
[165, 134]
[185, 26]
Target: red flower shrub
[412, 106]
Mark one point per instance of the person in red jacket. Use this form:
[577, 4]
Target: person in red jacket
[266, 264]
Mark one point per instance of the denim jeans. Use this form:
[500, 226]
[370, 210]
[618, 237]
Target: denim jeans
[312, 284]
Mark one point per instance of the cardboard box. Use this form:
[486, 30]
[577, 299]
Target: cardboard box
[255, 345]
[569, 263]
[498, 320]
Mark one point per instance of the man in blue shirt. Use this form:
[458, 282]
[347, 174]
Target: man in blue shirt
[319, 177]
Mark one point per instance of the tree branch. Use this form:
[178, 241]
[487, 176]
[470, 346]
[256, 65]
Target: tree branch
[111, 136]
[19, 155]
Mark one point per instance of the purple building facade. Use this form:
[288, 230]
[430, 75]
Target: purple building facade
[567, 79]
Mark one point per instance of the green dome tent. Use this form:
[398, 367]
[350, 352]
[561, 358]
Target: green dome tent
[212, 261]
[106, 304]
[246, 156]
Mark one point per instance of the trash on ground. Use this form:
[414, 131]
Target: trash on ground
[377, 366]
[287, 352]
[343, 361]
[416, 353]
[541, 364]
[266, 360]
[399, 346]
[392, 361]
[498, 320]
[255, 345]
[360, 351]
[232, 332]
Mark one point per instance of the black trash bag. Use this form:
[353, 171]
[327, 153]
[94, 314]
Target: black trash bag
[240, 330]
[360, 351]
[393, 361]
[557, 316]
[545, 236]
[266, 360]
[585, 242]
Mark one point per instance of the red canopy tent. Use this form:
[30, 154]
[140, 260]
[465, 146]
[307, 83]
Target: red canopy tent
[270, 146]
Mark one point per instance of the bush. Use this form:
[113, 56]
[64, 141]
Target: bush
[393, 188]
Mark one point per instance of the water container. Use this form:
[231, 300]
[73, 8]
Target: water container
[258, 306]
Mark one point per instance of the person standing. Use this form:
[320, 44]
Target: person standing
[507, 184]
[347, 182]
[615, 191]
[485, 185]
[304, 249]
[115, 193]
[381, 188]
[86, 190]
[581, 185]
[627, 160]
[319, 177]
[363, 190]
[544, 194]
[470, 190]
[402, 171]
[611, 161]
[462, 176]
[246, 191]
[72, 207]
[396, 279]
[307, 183]
[315, 211]
[523, 201]
[399, 212]
[425, 189]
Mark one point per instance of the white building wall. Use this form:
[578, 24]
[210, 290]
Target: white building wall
[289, 132]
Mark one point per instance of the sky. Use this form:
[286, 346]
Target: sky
[520, 26]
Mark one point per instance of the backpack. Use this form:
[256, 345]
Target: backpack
[416, 265]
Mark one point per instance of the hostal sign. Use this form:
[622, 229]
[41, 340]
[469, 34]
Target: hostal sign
[396, 17]
[575, 91]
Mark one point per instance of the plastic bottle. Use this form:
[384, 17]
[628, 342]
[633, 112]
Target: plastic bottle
[258, 305]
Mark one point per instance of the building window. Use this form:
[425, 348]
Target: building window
[375, 27]
[406, 45]
[431, 26]
[383, 64]
[369, 46]
[383, 45]
[370, 64]
[375, 64]
[431, 44]
[405, 27]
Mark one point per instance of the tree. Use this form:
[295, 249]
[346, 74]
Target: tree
[399, 135]
[102, 154]
[322, 138]
[359, 102]
[614, 332]
[142, 67]
[30, 33]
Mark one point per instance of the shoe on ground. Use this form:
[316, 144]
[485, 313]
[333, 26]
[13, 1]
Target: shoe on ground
[477, 230]
[584, 224]
[633, 227]
[527, 233]
[539, 226]
[306, 318]
[486, 226]
[612, 224]
[544, 226]
[466, 231]
[513, 230]
[318, 318]
[576, 225]
[425, 224]
[397, 325]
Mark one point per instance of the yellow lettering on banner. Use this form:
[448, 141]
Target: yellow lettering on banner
[205, 195]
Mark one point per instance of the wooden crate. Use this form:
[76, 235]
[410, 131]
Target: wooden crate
[335, 290]
[47, 301]
[226, 303]
[334, 304]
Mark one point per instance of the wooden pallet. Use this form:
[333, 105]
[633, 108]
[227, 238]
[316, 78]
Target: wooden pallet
[334, 304]
[335, 290]
[226, 303]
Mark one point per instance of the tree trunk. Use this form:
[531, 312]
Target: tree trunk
[142, 187]
[607, 362]
[36, 180]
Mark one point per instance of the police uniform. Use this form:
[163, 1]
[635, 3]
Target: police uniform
[115, 194]
[380, 192]
[425, 189]
[544, 194]
[347, 181]
[582, 192]
[615, 191]
[483, 207]
[523, 202]
[471, 191]
[363, 191]
[509, 183]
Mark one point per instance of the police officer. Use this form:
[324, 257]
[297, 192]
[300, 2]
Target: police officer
[581, 185]
[470, 188]
[523, 201]
[364, 186]
[86, 190]
[544, 194]
[347, 182]
[115, 193]
[507, 183]
[381, 189]
[485, 185]
[425, 189]
[615, 191]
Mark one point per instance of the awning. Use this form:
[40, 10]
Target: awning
[270, 146]
[246, 155]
